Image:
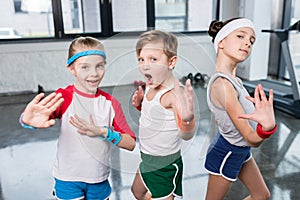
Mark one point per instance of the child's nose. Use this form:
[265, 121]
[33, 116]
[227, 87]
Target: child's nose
[94, 71]
[146, 66]
[248, 43]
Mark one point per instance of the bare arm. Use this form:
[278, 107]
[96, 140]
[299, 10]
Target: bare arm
[90, 129]
[184, 109]
[225, 95]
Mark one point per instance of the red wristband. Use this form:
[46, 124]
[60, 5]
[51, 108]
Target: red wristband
[265, 134]
[185, 125]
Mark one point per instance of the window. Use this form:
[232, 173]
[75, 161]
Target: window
[183, 15]
[67, 18]
[30, 18]
[129, 15]
[17, 5]
[81, 16]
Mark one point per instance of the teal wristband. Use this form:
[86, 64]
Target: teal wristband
[113, 136]
[25, 125]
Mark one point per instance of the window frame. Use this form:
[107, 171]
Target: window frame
[106, 23]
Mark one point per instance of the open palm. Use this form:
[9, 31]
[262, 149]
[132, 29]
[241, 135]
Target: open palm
[38, 111]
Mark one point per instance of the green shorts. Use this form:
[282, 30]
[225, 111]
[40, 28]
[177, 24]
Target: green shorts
[162, 175]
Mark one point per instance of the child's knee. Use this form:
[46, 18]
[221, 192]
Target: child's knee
[140, 195]
[262, 196]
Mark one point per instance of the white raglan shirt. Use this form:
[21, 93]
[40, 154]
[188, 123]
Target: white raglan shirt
[80, 157]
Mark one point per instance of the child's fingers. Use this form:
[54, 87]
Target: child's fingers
[140, 90]
[52, 101]
[49, 123]
[262, 93]
[79, 122]
[256, 95]
[188, 87]
[83, 132]
[37, 98]
[245, 116]
[137, 96]
[250, 99]
[72, 121]
[188, 83]
[79, 119]
[134, 99]
[56, 104]
[271, 96]
[92, 120]
[48, 98]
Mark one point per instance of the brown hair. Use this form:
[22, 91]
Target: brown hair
[169, 41]
[84, 43]
[215, 26]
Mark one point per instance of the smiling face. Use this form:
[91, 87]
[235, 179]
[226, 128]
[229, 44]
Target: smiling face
[89, 72]
[238, 44]
[154, 64]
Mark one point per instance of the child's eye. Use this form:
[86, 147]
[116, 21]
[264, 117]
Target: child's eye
[240, 36]
[140, 60]
[100, 66]
[153, 59]
[252, 40]
[84, 67]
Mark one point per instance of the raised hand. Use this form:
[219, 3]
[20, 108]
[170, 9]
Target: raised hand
[88, 128]
[264, 111]
[184, 100]
[138, 97]
[38, 111]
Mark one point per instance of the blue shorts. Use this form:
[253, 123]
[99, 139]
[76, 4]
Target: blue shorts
[81, 190]
[225, 159]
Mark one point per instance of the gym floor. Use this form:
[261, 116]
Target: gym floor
[26, 157]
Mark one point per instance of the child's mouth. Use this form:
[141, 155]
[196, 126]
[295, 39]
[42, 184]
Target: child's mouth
[93, 82]
[148, 78]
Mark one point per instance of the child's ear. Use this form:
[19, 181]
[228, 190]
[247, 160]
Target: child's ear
[221, 44]
[71, 69]
[172, 62]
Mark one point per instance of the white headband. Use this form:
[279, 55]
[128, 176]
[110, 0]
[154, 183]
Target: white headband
[231, 26]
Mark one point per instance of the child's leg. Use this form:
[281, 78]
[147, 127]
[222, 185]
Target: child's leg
[217, 187]
[170, 197]
[253, 180]
[138, 188]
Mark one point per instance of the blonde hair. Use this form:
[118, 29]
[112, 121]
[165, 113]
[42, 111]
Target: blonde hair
[169, 41]
[84, 43]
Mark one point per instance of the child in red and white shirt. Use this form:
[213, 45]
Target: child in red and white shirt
[86, 112]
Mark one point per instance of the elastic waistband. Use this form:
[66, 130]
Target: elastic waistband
[232, 146]
[160, 161]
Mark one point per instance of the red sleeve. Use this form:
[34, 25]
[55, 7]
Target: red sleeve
[67, 95]
[120, 124]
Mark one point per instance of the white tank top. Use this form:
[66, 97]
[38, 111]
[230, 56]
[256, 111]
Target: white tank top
[158, 132]
[225, 125]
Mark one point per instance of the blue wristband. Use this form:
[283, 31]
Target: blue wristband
[25, 125]
[113, 136]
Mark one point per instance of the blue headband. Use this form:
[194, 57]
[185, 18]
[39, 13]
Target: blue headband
[86, 53]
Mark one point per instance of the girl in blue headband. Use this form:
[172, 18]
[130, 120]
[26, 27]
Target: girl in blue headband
[91, 121]
[243, 122]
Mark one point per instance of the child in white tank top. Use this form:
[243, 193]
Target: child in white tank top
[167, 116]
